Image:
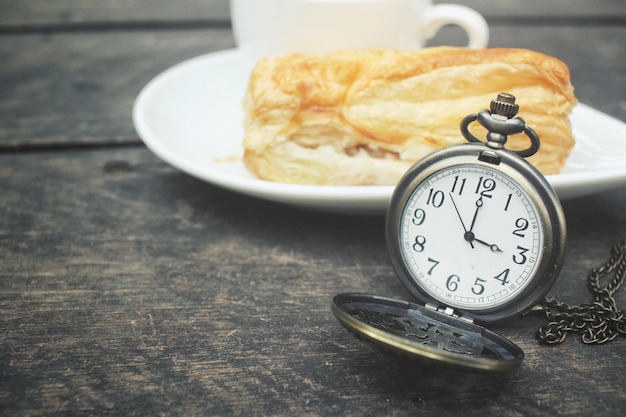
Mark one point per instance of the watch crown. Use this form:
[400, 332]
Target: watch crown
[500, 121]
[504, 105]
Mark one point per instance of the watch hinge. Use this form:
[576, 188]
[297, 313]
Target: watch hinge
[449, 311]
[431, 307]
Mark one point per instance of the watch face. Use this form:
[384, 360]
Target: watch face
[470, 237]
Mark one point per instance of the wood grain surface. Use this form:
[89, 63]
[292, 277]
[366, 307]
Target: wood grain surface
[131, 289]
[29, 13]
[128, 288]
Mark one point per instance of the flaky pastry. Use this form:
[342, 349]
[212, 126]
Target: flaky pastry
[364, 117]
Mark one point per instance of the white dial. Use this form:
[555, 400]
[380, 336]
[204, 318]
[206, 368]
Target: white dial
[471, 237]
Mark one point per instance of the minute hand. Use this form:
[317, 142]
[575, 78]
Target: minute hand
[479, 204]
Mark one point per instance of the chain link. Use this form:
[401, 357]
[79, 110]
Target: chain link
[599, 321]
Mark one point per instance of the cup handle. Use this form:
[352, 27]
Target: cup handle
[468, 19]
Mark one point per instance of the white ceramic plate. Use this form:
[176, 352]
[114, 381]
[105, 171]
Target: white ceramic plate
[191, 117]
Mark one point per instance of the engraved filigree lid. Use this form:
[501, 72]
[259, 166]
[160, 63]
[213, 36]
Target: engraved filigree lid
[416, 332]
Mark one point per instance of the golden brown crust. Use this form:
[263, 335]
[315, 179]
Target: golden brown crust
[363, 117]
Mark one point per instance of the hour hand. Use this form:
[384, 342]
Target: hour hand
[493, 246]
[467, 234]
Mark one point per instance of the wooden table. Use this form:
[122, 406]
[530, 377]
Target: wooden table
[130, 288]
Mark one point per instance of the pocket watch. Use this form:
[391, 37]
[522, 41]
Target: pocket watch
[477, 235]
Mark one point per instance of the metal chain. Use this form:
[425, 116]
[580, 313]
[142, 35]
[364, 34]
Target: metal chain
[597, 322]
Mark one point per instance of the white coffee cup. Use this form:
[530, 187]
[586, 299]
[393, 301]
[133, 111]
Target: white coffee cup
[279, 27]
